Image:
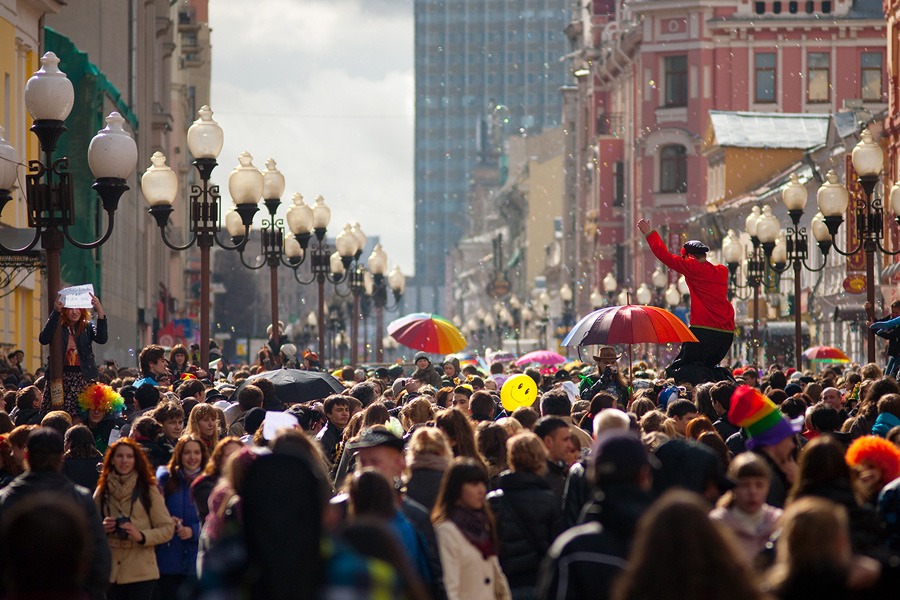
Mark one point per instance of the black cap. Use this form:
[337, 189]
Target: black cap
[382, 372]
[378, 435]
[619, 455]
[696, 247]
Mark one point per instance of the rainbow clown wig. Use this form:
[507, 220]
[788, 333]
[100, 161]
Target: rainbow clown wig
[879, 453]
[99, 396]
[759, 417]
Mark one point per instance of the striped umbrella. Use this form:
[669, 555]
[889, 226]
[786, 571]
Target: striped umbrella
[427, 332]
[825, 354]
[629, 324]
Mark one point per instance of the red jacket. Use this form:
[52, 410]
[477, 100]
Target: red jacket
[708, 283]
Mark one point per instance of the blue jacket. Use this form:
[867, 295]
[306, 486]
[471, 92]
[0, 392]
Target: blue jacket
[177, 556]
[884, 423]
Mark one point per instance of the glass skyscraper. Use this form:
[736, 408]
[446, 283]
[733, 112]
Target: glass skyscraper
[471, 56]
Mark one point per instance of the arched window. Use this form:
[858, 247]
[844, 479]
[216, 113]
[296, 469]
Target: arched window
[673, 169]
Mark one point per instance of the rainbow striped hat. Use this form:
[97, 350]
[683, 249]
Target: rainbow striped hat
[759, 417]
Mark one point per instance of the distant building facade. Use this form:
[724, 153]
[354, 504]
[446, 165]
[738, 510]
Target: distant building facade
[648, 74]
[471, 57]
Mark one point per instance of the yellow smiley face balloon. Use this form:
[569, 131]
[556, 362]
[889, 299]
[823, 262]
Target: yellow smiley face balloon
[518, 390]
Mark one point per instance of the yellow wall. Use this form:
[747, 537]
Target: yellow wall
[545, 184]
[21, 314]
[748, 168]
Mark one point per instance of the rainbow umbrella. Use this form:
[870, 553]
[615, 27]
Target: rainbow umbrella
[629, 324]
[825, 354]
[542, 357]
[426, 332]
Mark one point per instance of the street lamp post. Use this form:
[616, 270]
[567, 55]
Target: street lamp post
[566, 295]
[834, 199]
[794, 251]
[396, 281]
[245, 184]
[49, 196]
[324, 265]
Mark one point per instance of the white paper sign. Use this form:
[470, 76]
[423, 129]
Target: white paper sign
[77, 296]
[276, 421]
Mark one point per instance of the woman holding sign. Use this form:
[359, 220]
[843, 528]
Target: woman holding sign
[78, 337]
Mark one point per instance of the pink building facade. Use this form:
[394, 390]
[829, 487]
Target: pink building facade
[649, 72]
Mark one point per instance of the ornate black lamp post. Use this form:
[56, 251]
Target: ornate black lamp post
[49, 197]
[245, 184]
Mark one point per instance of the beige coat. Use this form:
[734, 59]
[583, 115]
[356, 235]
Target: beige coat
[133, 562]
[467, 575]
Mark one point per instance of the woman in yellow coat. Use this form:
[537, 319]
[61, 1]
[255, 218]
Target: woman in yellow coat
[135, 519]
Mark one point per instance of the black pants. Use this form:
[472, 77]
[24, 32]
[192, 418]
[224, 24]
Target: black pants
[141, 590]
[712, 346]
[169, 586]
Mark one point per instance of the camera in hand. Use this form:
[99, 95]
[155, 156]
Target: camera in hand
[121, 533]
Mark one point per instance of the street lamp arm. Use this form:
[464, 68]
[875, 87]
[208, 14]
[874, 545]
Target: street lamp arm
[841, 252]
[261, 264]
[239, 246]
[165, 239]
[31, 244]
[96, 244]
[335, 278]
[311, 279]
[293, 263]
[337, 291]
[888, 252]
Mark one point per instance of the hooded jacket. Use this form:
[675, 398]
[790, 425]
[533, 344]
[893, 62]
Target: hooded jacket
[707, 282]
[429, 375]
[884, 423]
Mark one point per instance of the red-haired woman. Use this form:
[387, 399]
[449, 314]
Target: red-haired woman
[177, 558]
[78, 336]
[9, 468]
[135, 519]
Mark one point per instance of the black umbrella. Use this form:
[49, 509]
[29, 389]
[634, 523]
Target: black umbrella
[294, 385]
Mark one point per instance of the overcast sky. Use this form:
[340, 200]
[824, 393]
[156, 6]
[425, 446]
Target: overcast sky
[325, 87]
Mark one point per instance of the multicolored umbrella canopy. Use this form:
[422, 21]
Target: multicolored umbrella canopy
[629, 324]
[542, 357]
[825, 354]
[427, 332]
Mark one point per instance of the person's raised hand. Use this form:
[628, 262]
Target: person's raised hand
[58, 305]
[95, 302]
[644, 226]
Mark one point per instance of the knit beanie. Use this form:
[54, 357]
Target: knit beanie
[759, 417]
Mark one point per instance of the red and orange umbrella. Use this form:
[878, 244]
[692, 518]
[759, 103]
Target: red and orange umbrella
[825, 354]
[629, 324]
[426, 332]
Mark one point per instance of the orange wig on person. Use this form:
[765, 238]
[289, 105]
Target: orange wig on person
[878, 452]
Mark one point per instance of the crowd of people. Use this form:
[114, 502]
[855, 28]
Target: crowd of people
[164, 481]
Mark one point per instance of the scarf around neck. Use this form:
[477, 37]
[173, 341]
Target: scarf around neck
[121, 487]
[475, 527]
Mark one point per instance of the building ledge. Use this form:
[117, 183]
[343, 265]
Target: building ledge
[664, 199]
[672, 114]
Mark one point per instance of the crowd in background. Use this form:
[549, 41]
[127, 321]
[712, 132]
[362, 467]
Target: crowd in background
[414, 481]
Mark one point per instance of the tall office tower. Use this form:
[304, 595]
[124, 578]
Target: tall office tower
[471, 57]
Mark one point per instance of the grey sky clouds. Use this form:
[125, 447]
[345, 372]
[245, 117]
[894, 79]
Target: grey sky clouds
[325, 87]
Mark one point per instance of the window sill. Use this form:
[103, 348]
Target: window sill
[671, 113]
[669, 199]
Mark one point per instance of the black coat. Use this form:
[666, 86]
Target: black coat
[53, 482]
[585, 560]
[892, 336]
[423, 486]
[529, 518]
[28, 416]
[83, 343]
[83, 471]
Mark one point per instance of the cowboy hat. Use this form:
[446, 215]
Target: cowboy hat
[606, 353]
[280, 328]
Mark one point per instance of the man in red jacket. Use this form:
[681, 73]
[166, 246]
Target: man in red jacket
[712, 315]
